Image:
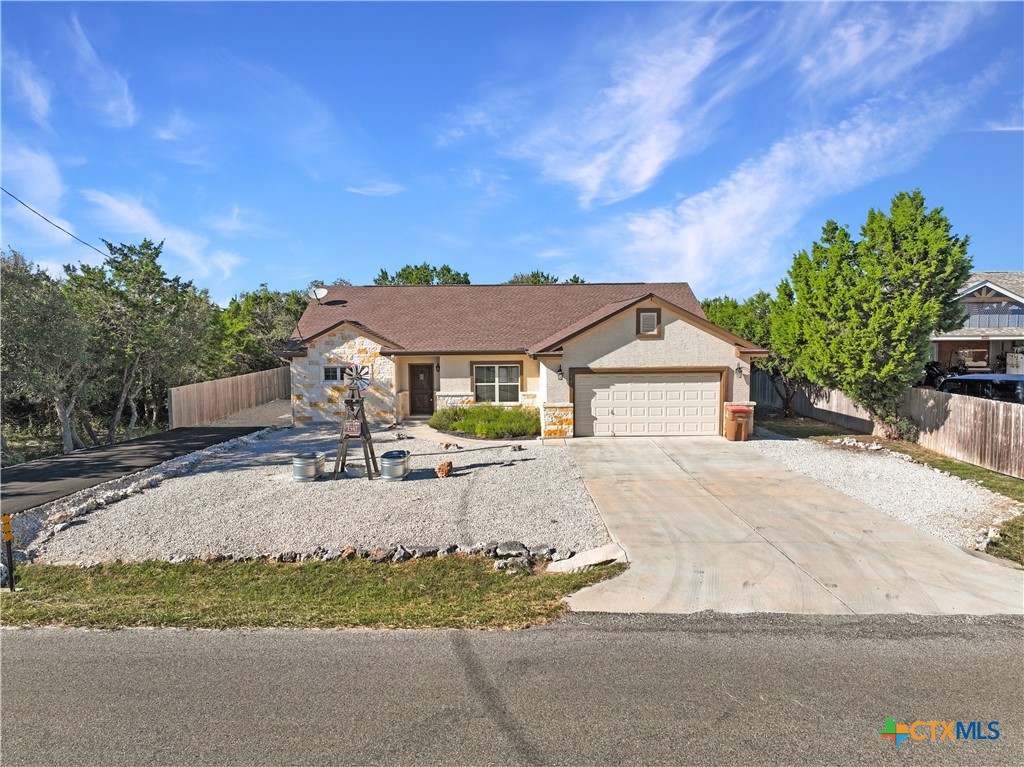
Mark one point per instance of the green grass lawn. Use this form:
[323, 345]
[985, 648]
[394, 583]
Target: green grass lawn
[1010, 487]
[1010, 544]
[454, 592]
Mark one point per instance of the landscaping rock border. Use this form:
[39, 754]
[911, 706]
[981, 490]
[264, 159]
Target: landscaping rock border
[511, 556]
[40, 523]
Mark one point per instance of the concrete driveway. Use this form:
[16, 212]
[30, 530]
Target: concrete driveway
[713, 525]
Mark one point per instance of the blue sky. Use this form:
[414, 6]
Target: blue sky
[280, 143]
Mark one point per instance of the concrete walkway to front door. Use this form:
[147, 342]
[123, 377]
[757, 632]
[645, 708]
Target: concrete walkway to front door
[713, 525]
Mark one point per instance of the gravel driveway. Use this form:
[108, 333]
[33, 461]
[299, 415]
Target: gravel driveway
[957, 511]
[244, 503]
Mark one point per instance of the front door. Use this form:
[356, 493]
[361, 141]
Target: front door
[422, 387]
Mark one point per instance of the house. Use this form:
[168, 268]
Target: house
[994, 302]
[595, 359]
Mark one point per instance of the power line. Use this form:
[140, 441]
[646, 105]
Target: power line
[53, 224]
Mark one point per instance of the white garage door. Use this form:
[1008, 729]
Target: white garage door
[637, 404]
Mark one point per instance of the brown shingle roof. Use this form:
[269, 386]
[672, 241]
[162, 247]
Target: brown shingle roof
[473, 318]
[1011, 281]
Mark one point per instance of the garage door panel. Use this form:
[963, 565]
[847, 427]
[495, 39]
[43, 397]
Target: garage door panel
[626, 404]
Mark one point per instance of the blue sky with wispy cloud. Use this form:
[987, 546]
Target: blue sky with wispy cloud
[639, 141]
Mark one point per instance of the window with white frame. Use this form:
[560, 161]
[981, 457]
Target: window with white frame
[496, 383]
[334, 373]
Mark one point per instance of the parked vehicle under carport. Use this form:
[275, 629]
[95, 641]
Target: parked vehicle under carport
[1000, 387]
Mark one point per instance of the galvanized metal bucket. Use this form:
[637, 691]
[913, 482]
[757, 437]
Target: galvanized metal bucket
[394, 465]
[306, 467]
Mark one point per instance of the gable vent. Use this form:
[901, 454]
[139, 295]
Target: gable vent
[648, 322]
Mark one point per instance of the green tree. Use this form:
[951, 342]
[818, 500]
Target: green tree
[784, 365]
[149, 331]
[422, 274]
[867, 308]
[766, 321]
[533, 278]
[321, 284]
[44, 354]
[726, 312]
[256, 325]
[538, 277]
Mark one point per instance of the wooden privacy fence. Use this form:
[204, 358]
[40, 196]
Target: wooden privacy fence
[979, 431]
[201, 403]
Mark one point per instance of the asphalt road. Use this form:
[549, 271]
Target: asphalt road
[591, 690]
[37, 482]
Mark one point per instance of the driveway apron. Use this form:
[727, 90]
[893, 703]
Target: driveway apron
[709, 524]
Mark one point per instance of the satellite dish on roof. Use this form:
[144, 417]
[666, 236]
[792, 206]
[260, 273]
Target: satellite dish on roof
[316, 293]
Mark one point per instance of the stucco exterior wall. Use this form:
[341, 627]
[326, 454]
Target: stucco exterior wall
[314, 400]
[613, 344]
[455, 372]
[456, 377]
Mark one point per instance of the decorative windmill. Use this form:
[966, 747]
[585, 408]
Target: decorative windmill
[354, 426]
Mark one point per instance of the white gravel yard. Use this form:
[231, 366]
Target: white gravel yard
[245, 503]
[947, 507]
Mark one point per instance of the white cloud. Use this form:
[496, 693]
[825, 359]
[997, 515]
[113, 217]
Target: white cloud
[29, 86]
[176, 128]
[610, 121]
[53, 268]
[232, 223]
[108, 88]
[377, 189]
[130, 216]
[880, 44]
[610, 118]
[612, 142]
[34, 177]
[226, 261]
[293, 119]
[493, 117]
[726, 238]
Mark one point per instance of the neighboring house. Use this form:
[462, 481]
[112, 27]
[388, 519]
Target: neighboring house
[595, 359]
[995, 323]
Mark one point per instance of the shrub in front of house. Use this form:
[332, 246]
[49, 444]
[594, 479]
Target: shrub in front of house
[489, 421]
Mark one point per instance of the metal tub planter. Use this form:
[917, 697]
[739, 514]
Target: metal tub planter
[306, 467]
[394, 465]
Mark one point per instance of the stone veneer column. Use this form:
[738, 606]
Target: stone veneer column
[557, 420]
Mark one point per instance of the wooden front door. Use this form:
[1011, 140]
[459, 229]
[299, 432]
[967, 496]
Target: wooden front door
[422, 387]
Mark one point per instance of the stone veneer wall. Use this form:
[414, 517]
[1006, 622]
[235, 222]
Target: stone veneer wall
[557, 420]
[443, 399]
[313, 399]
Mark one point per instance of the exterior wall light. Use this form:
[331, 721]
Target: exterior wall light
[560, 374]
[739, 369]
[437, 367]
